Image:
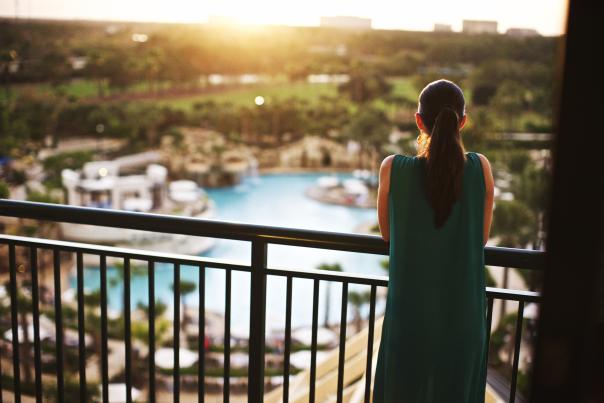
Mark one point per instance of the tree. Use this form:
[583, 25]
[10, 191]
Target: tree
[329, 267]
[97, 68]
[4, 190]
[140, 330]
[24, 306]
[54, 66]
[364, 86]
[186, 288]
[92, 323]
[531, 187]
[513, 223]
[369, 127]
[511, 99]
[483, 93]
[358, 299]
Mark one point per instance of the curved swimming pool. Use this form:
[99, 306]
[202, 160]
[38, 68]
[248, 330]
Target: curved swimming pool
[278, 200]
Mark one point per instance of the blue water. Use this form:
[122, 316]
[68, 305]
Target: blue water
[277, 200]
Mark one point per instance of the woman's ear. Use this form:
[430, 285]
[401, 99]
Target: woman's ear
[420, 123]
[463, 121]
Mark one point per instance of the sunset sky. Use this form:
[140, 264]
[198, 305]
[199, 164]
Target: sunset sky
[547, 16]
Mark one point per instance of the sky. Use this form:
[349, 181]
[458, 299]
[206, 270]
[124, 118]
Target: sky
[546, 16]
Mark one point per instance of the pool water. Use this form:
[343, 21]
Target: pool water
[276, 200]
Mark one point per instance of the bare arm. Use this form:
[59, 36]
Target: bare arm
[382, 198]
[489, 184]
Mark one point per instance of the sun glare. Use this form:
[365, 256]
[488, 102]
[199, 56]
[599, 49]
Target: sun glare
[244, 13]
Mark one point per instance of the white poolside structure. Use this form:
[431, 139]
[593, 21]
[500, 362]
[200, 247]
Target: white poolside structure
[101, 184]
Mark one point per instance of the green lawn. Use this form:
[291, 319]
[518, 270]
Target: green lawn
[402, 86]
[271, 92]
[245, 96]
[78, 88]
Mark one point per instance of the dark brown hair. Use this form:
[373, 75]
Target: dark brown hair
[441, 107]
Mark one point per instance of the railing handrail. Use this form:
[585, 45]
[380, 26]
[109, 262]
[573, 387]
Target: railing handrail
[260, 237]
[496, 256]
[228, 264]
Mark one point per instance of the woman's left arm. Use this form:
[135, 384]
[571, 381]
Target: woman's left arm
[382, 198]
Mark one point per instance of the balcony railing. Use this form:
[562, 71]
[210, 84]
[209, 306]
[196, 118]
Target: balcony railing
[259, 237]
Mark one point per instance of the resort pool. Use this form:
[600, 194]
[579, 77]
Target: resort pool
[279, 200]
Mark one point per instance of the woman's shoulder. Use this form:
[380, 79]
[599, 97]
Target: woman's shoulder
[395, 159]
[477, 158]
[482, 167]
[401, 159]
[395, 162]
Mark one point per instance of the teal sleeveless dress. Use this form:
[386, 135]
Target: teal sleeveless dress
[433, 343]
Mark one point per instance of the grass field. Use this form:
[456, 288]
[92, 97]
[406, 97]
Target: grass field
[403, 87]
[240, 95]
[245, 96]
[78, 88]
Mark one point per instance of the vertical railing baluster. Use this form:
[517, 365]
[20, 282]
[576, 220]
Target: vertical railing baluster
[313, 345]
[489, 322]
[127, 331]
[517, 340]
[288, 338]
[342, 352]
[151, 279]
[81, 327]
[226, 373]
[104, 336]
[257, 321]
[202, 336]
[58, 325]
[14, 322]
[35, 302]
[1, 377]
[370, 344]
[176, 334]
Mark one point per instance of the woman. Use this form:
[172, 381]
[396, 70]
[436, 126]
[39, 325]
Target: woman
[435, 209]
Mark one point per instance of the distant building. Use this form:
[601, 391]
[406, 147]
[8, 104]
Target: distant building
[522, 32]
[78, 62]
[479, 27]
[346, 22]
[442, 28]
[221, 20]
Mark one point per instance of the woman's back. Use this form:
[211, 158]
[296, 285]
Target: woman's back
[433, 346]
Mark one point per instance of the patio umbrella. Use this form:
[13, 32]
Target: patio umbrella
[324, 336]
[301, 359]
[117, 392]
[8, 335]
[164, 358]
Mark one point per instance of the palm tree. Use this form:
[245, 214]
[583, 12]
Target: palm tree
[140, 331]
[186, 287]
[24, 307]
[358, 299]
[513, 223]
[92, 323]
[329, 267]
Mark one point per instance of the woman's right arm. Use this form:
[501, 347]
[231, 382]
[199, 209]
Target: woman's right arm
[489, 196]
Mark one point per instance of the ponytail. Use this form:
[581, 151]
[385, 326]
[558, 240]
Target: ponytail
[445, 157]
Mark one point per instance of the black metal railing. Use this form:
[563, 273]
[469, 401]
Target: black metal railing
[259, 237]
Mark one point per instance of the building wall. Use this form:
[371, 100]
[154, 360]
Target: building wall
[479, 27]
[442, 28]
[346, 22]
